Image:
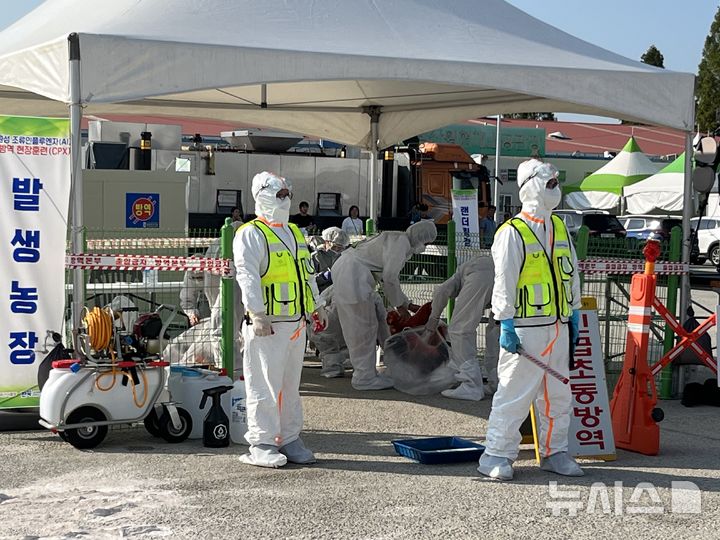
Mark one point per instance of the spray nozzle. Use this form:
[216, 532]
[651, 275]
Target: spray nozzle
[215, 392]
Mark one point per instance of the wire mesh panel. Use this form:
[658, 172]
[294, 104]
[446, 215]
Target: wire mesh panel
[162, 297]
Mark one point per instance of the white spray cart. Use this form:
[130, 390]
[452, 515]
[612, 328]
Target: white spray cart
[118, 380]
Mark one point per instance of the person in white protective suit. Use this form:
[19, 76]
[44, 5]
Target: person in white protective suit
[335, 241]
[198, 284]
[276, 278]
[384, 255]
[471, 286]
[200, 345]
[330, 342]
[536, 298]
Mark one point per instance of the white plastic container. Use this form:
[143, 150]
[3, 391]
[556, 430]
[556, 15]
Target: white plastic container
[186, 385]
[238, 412]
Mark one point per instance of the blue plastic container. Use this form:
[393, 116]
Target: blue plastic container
[438, 450]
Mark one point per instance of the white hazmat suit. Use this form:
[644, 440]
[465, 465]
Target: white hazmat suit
[274, 344]
[520, 382]
[384, 256]
[335, 240]
[331, 341]
[471, 286]
[204, 345]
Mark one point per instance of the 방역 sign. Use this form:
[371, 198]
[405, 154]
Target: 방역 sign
[590, 432]
[142, 210]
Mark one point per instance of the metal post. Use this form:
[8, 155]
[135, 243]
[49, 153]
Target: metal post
[451, 260]
[686, 215]
[227, 302]
[666, 376]
[374, 113]
[497, 162]
[76, 180]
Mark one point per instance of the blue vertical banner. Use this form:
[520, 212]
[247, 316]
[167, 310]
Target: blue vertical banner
[465, 215]
[34, 200]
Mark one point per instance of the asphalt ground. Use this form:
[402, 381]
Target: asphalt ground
[134, 486]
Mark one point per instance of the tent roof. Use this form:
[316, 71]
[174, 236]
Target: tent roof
[664, 190]
[628, 167]
[669, 178]
[427, 63]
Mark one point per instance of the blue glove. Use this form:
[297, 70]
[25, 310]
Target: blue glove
[509, 339]
[574, 331]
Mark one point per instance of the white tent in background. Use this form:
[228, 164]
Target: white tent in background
[315, 67]
[663, 191]
[354, 71]
[603, 188]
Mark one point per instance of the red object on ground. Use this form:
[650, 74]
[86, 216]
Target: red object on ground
[420, 318]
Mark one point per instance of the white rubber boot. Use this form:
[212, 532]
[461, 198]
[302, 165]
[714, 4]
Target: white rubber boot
[466, 390]
[264, 455]
[497, 468]
[297, 452]
[561, 463]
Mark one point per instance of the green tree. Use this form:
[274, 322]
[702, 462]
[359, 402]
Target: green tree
[653, 57]
[532, 116]
[708, 81]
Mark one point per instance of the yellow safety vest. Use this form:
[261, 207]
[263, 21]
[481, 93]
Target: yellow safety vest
[544, 289]
[285, 283]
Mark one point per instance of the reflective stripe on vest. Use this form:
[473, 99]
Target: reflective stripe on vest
[544, 291]
[285, 283]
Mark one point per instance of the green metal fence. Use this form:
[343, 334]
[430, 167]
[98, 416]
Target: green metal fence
[149, 290]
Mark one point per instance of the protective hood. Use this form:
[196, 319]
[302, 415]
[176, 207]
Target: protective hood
[420, 234]
[533, 176]
[336, 236]
[265, 186]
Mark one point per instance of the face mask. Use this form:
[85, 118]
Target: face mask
[271, 208]
[551, 198]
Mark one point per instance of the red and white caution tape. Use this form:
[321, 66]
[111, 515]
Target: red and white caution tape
[148, 262]
[624, 266]
[149, 243]
[542, 365]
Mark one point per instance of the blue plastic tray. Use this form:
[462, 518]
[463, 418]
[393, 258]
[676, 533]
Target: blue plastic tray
[437, 450]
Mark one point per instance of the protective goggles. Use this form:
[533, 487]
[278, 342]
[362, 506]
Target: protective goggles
[282, 191]
[546, 172]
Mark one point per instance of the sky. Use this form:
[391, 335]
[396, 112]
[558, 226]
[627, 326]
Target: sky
[678, 28]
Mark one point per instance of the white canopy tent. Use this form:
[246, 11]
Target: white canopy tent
[603, 189]
[354, 71]
[663, 191]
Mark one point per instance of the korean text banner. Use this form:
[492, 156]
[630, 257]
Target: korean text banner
[35, 184]
[467, 226]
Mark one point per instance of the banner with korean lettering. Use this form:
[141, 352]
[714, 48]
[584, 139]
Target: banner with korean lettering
[467, 225]
[35, 180]
[590, 433]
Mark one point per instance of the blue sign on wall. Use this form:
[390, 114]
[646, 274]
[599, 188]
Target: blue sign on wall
[142, 210]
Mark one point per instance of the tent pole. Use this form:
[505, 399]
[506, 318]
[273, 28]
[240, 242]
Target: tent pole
[374, 113]
[686, 215]
[76, 228]
[495, 196]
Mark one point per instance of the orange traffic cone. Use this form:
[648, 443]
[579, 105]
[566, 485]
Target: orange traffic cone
[633, 411]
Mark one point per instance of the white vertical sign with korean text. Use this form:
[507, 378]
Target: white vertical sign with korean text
[590, 433]
[35, 180]
[467, 226]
